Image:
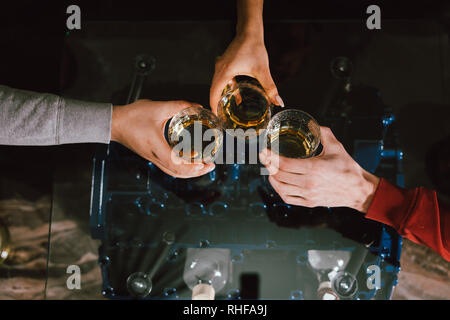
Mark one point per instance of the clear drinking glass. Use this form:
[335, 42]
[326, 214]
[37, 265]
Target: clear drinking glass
[4, 242]
[196, 133]
[294, 134]
[244, 105]
[139, 284]
[206, 271]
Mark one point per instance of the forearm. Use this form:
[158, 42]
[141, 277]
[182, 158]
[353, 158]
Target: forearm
[29, 118]
[416, 214]
[250, 18]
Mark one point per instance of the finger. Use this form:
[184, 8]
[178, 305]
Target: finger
[328, 140]
[270, 88]
[296, 179]
[298, 201]
[263, 157]
[171, 108]
[185, 172]
[269, 161]
[277, 162]
[217, 86]
[284, 189]
[170, 163]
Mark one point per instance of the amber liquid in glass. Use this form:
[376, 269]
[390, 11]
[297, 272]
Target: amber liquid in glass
[187, 124]
[245, 105]
[292, 142]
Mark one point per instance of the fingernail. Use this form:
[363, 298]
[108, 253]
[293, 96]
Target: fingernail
[279, 101]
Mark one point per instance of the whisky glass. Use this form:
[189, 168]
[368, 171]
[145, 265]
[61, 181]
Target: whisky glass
[244, 105]
[195, 134]
[294, 134]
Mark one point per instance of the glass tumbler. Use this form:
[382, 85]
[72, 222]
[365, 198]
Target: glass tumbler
[293, 133]
[195, 134]
[244, 105]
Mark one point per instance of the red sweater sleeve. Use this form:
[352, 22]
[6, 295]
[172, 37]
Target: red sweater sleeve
[415, 214]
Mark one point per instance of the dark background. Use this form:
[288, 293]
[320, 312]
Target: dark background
[32, 50]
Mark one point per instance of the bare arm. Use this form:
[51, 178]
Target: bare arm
[246, 54]
[250, 18]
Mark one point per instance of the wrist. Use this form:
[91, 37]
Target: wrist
[250, 31]
[250, 19]
[369, 184]
[115, 128]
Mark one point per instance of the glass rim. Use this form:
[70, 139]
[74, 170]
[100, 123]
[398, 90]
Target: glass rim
[293, 110]
[226, 94]
[248, 85]
[200, 108]
[270, 125]
[208, 116]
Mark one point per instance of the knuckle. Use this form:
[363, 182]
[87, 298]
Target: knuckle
[286, 199]
[309, 185]
[325, 130]
[279, 190]
[285, 163]
[283, 188]
[272, 90]
[307, 193]
[313, 198]
[219, 63]
[183, 103]
[308, 203]
[295, 201]
[277, 175]
[311, 165]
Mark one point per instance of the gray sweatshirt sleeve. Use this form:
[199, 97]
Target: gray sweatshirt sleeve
[29, 118]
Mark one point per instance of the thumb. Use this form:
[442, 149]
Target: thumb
[218, 84]
[328, 140]
[271, 89]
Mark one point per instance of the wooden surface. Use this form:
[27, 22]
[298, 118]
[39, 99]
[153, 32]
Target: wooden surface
[424, 275]
[22, 275]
